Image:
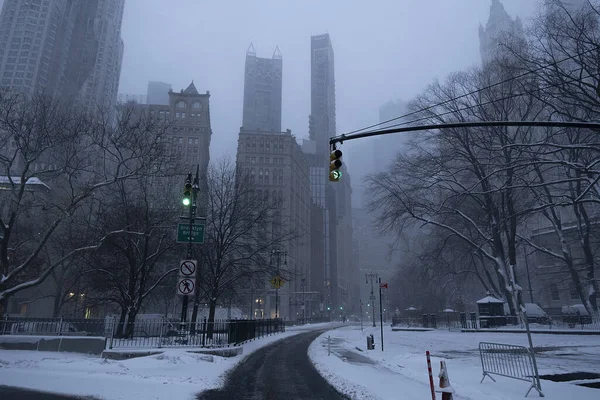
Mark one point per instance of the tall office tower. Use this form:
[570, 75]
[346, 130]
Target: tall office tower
[158, 93]
[262, 92]
[67, 49]
[102, 84]
[333, 198]
[322, 104]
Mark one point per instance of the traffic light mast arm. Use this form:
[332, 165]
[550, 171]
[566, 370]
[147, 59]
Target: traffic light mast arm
[548, 124]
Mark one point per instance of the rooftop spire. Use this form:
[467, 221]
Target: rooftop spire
[251, 51]
[277, 53]
[191, 89]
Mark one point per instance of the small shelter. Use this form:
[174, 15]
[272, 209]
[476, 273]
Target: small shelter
[491, 312]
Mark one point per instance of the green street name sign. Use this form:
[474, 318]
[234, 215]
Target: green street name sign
[183, 233]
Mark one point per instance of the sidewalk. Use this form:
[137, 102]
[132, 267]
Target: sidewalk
[400, 371]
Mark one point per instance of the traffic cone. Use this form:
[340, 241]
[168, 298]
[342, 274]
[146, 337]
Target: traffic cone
[445, 388]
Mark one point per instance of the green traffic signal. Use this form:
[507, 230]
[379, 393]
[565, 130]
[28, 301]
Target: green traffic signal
[186, 201]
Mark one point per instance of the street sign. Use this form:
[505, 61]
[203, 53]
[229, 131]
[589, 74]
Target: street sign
[186, 286]
[277, 282]
[188, 268]
[183, 233]
[383, 285]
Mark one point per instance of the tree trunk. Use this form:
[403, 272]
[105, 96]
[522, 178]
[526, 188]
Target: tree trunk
[130, 323]
[57, 303]
[212, 304]
[121, 322]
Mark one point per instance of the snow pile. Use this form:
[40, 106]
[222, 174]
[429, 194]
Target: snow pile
[173, 374]
[401, 369]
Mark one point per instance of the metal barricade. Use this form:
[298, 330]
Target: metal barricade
[510, 361]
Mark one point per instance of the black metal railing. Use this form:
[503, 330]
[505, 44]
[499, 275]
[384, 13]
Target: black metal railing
[220, 333]
[54, 326]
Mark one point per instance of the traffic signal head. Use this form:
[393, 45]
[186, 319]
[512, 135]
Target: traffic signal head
[187, 191]
[334, 166]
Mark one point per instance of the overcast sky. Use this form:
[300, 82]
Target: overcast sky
[384, 50]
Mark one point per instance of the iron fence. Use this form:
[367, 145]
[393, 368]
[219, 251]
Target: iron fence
[455, 320]
[163, 333]
[509, 361]
[54, 326]
[147, 333]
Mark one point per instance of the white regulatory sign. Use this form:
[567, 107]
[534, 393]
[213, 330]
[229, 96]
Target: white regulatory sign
[186, 286]
[187, 267]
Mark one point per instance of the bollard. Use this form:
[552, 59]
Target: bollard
[329, 345]
[427, 354]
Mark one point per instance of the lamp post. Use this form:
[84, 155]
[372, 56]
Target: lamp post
[371, 276]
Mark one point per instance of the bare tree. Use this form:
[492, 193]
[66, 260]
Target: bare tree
[129, 265]
[53, 162]
[243, 225]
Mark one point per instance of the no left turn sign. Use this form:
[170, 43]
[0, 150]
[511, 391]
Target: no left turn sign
[187, 267]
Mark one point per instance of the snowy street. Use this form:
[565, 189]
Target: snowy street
[174, 375]
[402, 368]
[279, 371]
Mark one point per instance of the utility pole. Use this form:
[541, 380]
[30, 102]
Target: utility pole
[371, 276]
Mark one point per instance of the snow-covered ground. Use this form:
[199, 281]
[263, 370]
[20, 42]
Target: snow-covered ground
[400, 371]
[174, 374]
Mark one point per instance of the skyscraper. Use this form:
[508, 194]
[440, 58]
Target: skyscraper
[322, 83]
[158, 93]
[262, 92]
[333, 198]
[67, 49]
[499, 28]
[102, 83]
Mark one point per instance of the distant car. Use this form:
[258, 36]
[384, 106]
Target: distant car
[576, 314]
[535, 314]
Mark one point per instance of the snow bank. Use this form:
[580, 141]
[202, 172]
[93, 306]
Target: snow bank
[173, 374]
[401, 368]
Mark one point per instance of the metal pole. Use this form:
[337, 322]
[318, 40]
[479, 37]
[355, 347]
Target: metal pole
[381, 314]
[303, 303]
[528, 277]
[361, 315]
[251, 316]
[277, 290]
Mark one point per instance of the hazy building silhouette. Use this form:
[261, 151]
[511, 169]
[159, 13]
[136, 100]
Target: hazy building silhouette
[158, 92]
[499, 29]
[67, 49]
[334, 198]
[262, 91]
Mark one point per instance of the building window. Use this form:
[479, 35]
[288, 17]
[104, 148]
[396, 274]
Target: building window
[554, 293]
[190, 141]
[182, 115]
[573, 292]
[196, 141]
[181, 104]
[196, 106]
[177, 115]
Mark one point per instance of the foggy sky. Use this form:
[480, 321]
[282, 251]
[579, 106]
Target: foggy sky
[384, 50]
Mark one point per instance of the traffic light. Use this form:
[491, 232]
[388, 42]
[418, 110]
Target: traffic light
[335, 164]
[187, 191]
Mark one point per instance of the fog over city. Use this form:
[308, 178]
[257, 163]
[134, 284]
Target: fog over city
[384, 50]
[277, 199]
